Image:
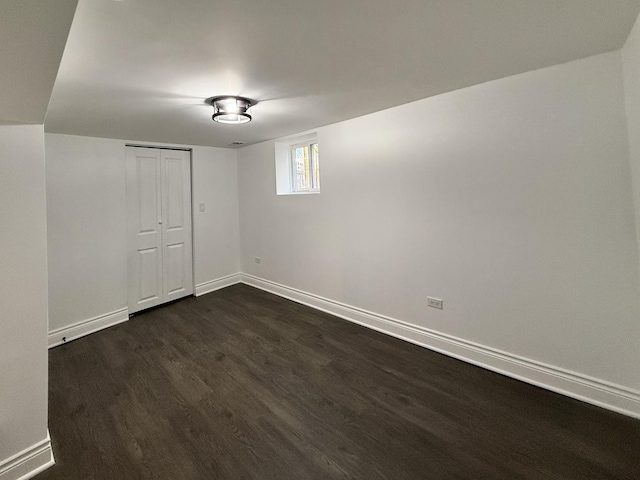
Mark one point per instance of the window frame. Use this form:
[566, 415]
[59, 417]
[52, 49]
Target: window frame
[314, 165]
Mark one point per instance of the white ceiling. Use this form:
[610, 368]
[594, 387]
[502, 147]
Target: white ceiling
[141, 69]
[32, 38]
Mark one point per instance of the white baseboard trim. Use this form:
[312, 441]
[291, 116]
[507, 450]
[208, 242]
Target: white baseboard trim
[591, 390]
[80, 329]
[213, 285]
[28, 463]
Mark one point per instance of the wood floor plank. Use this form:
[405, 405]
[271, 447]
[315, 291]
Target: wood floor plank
[242, 384]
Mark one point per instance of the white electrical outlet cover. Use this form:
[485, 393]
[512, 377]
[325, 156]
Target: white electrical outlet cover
[435, 303]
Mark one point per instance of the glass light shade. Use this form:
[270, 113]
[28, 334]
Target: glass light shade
[231, 110]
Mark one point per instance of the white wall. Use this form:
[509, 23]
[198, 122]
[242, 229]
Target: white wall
[216, 231]
[87, 223]
[86, 215]
[23, 291]
[631, 66]
[510, 200]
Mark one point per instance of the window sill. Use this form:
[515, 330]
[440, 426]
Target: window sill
[297, 193]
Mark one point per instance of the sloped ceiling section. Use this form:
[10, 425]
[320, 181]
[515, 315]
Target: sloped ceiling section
[33, 34]
[141, 69]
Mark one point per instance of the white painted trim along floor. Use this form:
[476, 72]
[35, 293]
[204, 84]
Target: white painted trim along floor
[28, 463]
[85, 327]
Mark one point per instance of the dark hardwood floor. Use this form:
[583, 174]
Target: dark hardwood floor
[241, 384]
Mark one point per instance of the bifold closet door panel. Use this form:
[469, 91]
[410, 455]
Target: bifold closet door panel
[144, 228]
[160, 265]
[177, 246]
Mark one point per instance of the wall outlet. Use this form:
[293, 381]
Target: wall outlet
[435, 303]
[257, 259]
[202, 207]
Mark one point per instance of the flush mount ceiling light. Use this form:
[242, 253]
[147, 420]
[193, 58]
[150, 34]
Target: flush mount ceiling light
[231, 110]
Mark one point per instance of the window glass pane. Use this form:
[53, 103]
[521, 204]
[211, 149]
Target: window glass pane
[301, 168]
[307, 168]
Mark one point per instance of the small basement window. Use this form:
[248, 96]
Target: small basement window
[305, 167]
[298, 166]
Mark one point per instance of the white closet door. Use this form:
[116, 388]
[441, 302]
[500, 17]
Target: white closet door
[144, 228]
[159, 226]
[176, 228]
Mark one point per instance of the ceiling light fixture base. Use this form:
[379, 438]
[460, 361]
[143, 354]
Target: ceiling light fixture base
[231, 110]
